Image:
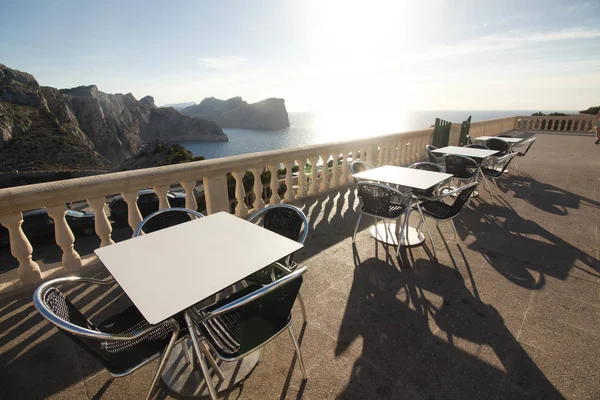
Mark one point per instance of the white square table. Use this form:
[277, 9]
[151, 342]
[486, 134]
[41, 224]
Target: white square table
[476, 154]
[407, 177]
[168, 271]
[506, 139]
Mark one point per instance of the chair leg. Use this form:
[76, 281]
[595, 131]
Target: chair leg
[212, 362]
[427, 228]
[356, 227]
[454, 229]
[298, 352]
[161, 364]
[301, 301]
[496, 184]
[200, 357]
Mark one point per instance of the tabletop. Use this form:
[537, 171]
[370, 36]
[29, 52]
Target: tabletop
[465, 151]
[408, 177]
[506, 139]
[167, 271]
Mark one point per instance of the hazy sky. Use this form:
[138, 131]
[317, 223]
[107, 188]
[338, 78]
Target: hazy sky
[320, 55]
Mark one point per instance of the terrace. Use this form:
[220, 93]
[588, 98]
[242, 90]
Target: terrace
[511, 311]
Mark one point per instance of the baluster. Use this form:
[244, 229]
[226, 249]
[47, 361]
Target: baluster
[101, 223]
[259, 204]
[161, 192]
[381, 155]
[398, 154]
[404, 153]
[64, 237]
[370, 157]
[345, 169]
[335, 172]
[190, 197]
[29, 271]
[324, 174]
[240, 193]
[274, 185]
[313, 189]
[565, 128]
[134, 217]
[302, 177]
[289, 182]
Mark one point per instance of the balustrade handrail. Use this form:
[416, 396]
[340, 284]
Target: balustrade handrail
[27, 197]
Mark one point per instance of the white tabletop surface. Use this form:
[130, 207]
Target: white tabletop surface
[465, 151]
[408, 177]
[506, 139]
[167, 271]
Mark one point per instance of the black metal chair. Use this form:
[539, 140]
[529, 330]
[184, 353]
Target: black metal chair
[433, 158]
[508, 136]
[285, 220]
[440, 211]
[122, 343]
[247, 320]
[477, 146]
[462, 168]
[359, 166]
[501, 146]
[525, 143]
[166, 218]
[381, 202]
[493, 167]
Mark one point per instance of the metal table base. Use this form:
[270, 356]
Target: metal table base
[414, 237]
[186, 378]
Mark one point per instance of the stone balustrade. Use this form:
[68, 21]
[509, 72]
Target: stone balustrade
[568, 123]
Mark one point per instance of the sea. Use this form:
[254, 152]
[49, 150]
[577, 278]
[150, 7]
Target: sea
[316, 128]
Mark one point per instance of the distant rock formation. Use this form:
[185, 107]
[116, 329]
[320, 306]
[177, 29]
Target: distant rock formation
[157, 154]
[82, 127]
[269, 114]
[180, 106]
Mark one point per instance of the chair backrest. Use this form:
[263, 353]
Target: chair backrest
[528, 143]
[377, 199]
[496, 163]
[470, 140]
[427, 166]
[509, 136]
[259, 312]
[464, 132]
[432, 157]
[497, 144]
[283, 219]
[464, 194]
[460, 166]
[477, 146]
[165, 218]
[359, 166]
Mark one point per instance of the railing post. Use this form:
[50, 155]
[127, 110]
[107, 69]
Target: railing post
[216, 193]
[258, 204]
[274, 185]
[313, 189]
[345, 169]
[101, 222]
[324, 173]
[301, 177]
[134, 217]
[20, 248]
[335, 171]
[240, 194]
[64, 237]
[190, 197]
[370, 157]
[289, 182]
[161, 192]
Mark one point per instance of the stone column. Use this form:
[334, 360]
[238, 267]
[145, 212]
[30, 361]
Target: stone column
[20, 248]
[101, 222]
[64, 237]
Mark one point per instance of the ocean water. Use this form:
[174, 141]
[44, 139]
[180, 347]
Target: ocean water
[310, 128]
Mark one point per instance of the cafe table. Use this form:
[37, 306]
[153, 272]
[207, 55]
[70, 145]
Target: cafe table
[405, 177]
[168, 271]
[478, 155]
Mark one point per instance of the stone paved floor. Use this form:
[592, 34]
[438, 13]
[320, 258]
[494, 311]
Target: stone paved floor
[511, 311]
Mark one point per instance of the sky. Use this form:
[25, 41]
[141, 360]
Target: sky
[318, 55]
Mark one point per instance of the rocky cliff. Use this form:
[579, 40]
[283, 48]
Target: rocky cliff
[46, 128]
[269, 114]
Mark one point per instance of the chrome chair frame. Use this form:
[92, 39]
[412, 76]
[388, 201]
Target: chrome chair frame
[441, 198]
[353, 167]
[290, 266]
[162, 211]
[433, 158]
[97, 335]
[385, 220]
[257, 294]
[529, 142]
[470, 140]
[495, 162]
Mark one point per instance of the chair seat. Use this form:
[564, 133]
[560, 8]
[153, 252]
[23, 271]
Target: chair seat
[263, 276]
[463, 174]
[491, 172]
[124, 355]
[436, 209]
[424, 192]
[393, 212]
[230, 338]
